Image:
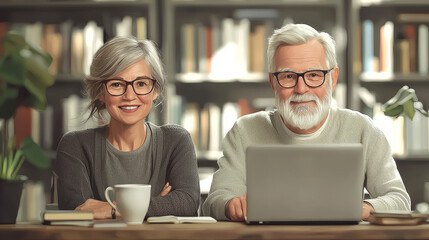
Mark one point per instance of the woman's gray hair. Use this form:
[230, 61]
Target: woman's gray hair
[115, 56]
[294, 34]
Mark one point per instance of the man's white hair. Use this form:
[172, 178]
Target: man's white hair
[295, 34]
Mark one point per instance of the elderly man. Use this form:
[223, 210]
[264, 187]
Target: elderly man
[303, 74]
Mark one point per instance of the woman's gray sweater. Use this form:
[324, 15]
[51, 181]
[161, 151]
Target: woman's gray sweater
[81, 157]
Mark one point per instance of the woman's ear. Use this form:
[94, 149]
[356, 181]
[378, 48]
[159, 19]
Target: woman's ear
[101, 98]
[155, 96]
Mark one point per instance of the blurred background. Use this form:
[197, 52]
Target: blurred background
[215, 58]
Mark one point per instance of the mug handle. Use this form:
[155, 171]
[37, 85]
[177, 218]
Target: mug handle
[106, 194]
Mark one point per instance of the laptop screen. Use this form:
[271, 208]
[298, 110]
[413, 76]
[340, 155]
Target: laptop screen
[304, 183]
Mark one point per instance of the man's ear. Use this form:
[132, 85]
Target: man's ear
[334, 74]
[271, 80]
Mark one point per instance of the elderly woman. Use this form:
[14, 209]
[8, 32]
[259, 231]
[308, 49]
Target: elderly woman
[126, 77]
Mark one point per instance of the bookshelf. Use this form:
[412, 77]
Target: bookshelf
[389, 49]
[71, 31]
[214, 52]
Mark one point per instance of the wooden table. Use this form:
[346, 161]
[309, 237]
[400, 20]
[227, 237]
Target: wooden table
[220, 230]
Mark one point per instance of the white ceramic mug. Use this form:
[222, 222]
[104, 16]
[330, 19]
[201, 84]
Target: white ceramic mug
[132, 201]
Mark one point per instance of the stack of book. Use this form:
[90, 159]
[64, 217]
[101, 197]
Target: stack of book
[68, 217]
[78, 218]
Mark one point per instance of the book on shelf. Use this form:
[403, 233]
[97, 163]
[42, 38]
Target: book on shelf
[230, 113]
[124, 27]
[405, 136]
[393, 129]
[75, 114]
[209, 47]
[204, 128]
[73, 46]
[242, 39]
[67, 215]
[257, 44]
[413, 17]
[188, 57]
[367, 46]
[65, 30]
[386, 47]
[33, 33]
[93, 40]
[22, 123]
[423, 49]
[201, 54]
[141, 28]
[191, 122]
[42, 127]
[417, 134]
[410, 33]
[215, 127]
[403, 48]
[209, 123]
[175, 219]
[76, 51]
[223, 48]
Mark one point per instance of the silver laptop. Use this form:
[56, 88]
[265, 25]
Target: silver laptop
[304, 184]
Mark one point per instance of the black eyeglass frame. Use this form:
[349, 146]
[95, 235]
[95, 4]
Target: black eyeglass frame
[275, 74]
[129, 83]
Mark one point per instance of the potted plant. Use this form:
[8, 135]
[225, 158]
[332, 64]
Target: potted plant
[404, 102]
[24, 78]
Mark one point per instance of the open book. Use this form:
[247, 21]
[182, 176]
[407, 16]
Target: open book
[174, 219]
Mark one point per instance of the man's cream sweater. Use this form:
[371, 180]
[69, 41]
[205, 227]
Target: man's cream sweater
[383, 181]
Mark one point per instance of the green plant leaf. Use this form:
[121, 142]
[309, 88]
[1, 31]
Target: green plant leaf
[8, 103]
[422, 111]
[37, 97]
[12, 67]
[23, 65]
[37, 69]
[409, 109]
[394, 112]
[13, 40]
[34, 154]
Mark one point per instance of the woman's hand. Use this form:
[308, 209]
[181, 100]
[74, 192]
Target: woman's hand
[100, 209]
[165, 190]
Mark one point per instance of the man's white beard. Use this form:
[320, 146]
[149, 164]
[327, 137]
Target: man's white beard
[304, 116]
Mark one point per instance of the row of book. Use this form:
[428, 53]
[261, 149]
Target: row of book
[395, 48]
[406, 137]
[224, 48]
[41, 125]
[72, 46]
[208, 123]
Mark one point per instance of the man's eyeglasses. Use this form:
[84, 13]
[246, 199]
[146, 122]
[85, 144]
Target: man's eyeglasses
[312, 78]
[141, 86]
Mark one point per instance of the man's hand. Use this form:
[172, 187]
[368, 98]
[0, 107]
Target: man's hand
[236, 208]
[366, 210]
[165, 190]
[101, 210]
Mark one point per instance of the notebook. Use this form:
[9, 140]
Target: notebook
[304, 184]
